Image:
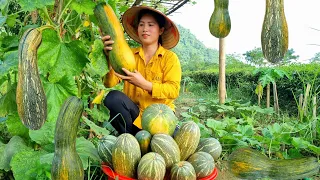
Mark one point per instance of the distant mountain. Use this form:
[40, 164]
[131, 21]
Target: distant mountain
[190, 48]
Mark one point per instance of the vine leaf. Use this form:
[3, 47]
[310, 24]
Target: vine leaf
[33, 167]
[86, 150]
[3, 19]
[8, 103]
[15, 126]
[3, 4]
[98, 59]
[57, 93]
[83, 6]
[59, 58]
[28, 5]
[10, 62]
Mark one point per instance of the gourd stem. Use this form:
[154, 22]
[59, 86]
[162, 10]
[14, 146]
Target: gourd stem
[79, 86]
[47, 26]
[62, 12]
[46, 14]
[9, 82]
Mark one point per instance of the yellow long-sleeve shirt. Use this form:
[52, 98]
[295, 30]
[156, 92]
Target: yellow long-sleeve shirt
[163, 71]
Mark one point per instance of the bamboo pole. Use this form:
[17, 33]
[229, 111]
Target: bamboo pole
[222, 71]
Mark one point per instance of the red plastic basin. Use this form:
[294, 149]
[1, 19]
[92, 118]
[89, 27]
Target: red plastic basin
[112, 175]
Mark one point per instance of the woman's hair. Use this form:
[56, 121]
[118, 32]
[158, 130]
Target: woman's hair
[158, 17]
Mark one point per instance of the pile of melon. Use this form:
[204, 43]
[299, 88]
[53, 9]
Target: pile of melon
[154, 153]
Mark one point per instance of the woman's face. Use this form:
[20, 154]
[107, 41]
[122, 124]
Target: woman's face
[149, 30]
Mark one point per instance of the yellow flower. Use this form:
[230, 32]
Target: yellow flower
[86, 23]
[99, 97]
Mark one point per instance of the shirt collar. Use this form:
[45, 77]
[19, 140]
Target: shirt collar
[160, 51]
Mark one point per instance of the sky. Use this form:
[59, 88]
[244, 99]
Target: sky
[246, 24]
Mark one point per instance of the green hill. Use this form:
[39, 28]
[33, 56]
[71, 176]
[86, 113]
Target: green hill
[192, 51]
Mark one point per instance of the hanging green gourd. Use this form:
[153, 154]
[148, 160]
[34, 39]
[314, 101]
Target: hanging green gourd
[220, 23]
[274, 35]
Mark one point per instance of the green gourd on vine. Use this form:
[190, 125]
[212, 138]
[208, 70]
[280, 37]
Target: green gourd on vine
[220, 22]
[66, 164]
[248, 163]
[274, 35]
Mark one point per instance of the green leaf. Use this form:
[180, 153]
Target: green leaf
[8, 103]
[47, 158]
[98, 59]
[3, 19]
[185, 115]
[204, 131]
[15, 126]
[83, 6]
[294, 153]
[86, 150]
[10, 42]
[15, 145]
[26, 165]
[246, 130]
[10, 62]
[314, 148]
[28, 5]
[300, 143]
[60, 59]
[100, 115]
[215, 125]
[57, 93]
[266, 133]
[11, 20]
[45, 135]
[266, 79]
[2, 158]
[3, 4]
[97, 129]
[277, 74]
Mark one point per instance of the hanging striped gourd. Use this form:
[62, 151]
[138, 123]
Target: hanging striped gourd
[31, 98]
[220, 23]
[274, 35]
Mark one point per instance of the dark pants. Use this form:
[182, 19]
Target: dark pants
[123, 111]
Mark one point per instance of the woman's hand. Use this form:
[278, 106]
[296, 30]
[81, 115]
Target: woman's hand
[107, 44]
[136, 79]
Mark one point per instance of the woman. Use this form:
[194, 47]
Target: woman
[158, 72]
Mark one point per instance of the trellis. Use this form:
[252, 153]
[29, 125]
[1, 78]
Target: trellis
[166, 6]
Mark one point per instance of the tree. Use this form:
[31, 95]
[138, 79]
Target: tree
[289, 56]
[255, 57]
[235, 60]
[316, 58]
